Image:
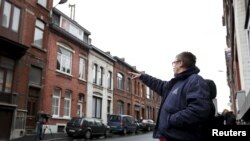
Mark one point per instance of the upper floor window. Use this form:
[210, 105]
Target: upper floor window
[147, 92]
[120, 84]
[95, 73]
[64, 59]
[129, 85]
[109, 78]
[42, 3]
[82, 68]
[135, 88]
[6, 74]
[35, 75]
[72, 28]
[38, 35]
[11, 16]
[101, 72]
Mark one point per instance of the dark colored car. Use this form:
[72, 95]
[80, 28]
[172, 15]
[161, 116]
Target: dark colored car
[121, 123]
[86, 127]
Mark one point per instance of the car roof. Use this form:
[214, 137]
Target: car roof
[119, 115]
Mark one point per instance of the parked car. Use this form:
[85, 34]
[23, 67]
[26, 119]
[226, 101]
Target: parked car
[121, 123]
[139, 126]
[86, 127]
[148, 124]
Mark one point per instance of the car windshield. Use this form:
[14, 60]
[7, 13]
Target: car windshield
[115, 118]
[75, 121]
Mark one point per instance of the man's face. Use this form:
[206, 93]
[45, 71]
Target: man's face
[177, 66]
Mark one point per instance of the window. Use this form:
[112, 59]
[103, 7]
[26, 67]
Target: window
[96, 107]
[109, 78]
[15, 19]
[79, 106]
[101, 76]
[72, 28]
[147, 92]
[67, 104]
[82, 67]
[6, 74]
[95, 73]
[120, 81]
[120, 107]
[129, 85]
[128, 109]
[38, 34]
[20, 118]
[109, 107]
[35, 75]
[6, 14]
[64, 60]
[42, 3]
[135, 88]
[11, 16]
[56, 102]
[138, 88]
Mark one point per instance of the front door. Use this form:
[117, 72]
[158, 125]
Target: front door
[32, 107]
[6, 116]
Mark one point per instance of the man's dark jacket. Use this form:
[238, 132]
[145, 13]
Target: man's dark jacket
[185, 105]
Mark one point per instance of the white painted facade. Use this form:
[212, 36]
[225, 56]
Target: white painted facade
[243, 48]
[103, 92]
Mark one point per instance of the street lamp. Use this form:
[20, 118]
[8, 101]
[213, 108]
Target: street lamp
[61, 2]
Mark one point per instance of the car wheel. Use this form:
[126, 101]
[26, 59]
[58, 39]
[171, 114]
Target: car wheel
[107, 133]
[87, 134]
[149, 129]
[125, 131]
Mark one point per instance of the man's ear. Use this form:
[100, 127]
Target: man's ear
[181, 64]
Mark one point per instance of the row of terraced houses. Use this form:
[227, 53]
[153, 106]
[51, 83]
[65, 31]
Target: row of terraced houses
[47, 63]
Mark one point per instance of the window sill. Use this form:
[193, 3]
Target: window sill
[37, 47]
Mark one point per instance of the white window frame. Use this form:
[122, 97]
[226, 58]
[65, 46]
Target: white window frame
[148, 92]
[71, 28]
[120, 81]
[67, 104]
[109, 78]
[82, 68]
[62, 58]
[59, 101]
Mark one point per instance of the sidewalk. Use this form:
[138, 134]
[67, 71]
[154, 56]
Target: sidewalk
[47, 137]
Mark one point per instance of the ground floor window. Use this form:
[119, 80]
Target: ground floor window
[96, 107]
[20, 120]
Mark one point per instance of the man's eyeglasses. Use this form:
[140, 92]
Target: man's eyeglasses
[175, 62]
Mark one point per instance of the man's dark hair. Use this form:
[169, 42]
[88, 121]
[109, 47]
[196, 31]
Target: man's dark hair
[187, 58]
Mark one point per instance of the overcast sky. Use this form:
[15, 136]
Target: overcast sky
[149, 34]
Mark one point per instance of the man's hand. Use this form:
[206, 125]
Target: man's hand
[134, 75]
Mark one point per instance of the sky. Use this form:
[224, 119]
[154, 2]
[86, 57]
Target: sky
[150, 33]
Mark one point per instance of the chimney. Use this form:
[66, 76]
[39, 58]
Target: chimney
[123, 59]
